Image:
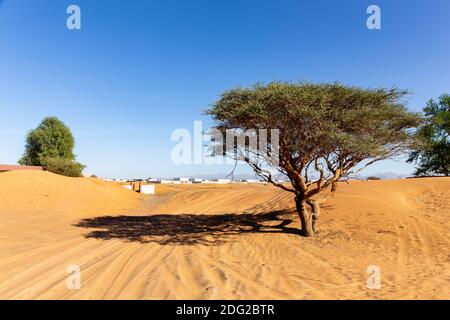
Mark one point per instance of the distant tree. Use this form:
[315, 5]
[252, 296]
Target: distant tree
[326, 132]
[51, 145]
[432, 149]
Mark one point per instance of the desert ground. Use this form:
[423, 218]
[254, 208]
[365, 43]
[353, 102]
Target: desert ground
[220, 242]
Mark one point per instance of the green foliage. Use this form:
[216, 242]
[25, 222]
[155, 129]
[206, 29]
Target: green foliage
[51, 139]
[326, 128]
[64, 167]
[51, 145]
[323, 115]
[432, 149]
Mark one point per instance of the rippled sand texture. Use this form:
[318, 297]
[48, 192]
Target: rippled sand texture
[220, 242]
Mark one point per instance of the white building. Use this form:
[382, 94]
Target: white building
[163, 181]
[182, 180]
[221, 181]
[148, 189]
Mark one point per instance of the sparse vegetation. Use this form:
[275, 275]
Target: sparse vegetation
[326, 132]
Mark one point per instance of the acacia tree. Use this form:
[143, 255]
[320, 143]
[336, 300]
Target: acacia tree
[432, 150]
[325, 132]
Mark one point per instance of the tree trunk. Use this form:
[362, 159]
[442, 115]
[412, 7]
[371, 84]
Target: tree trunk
[305, 217]
[315, 210]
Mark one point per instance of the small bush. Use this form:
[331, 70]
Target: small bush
[373, 178]
[65, 167]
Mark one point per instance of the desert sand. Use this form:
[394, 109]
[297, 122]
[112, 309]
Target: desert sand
[220, 242]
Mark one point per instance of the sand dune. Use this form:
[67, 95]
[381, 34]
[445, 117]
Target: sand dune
[220, 242]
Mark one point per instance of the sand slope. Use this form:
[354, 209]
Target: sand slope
[220, 242]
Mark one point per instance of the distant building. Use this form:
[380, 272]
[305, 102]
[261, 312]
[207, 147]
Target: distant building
[139, 187]
[5, 168]
[221, 181]
[148, 189]
[163, 181]
[181, 180]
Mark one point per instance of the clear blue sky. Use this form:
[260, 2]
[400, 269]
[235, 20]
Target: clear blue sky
[137, 70]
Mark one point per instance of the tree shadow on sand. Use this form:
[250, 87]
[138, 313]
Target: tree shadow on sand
[187, 229]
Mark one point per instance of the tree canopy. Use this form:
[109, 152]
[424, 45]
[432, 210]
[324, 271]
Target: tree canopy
[432, 150]
[325, 133]
[51, 145]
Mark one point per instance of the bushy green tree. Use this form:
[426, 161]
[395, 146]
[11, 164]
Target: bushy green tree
[432, 150]
[326, 132]
[51, 145]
